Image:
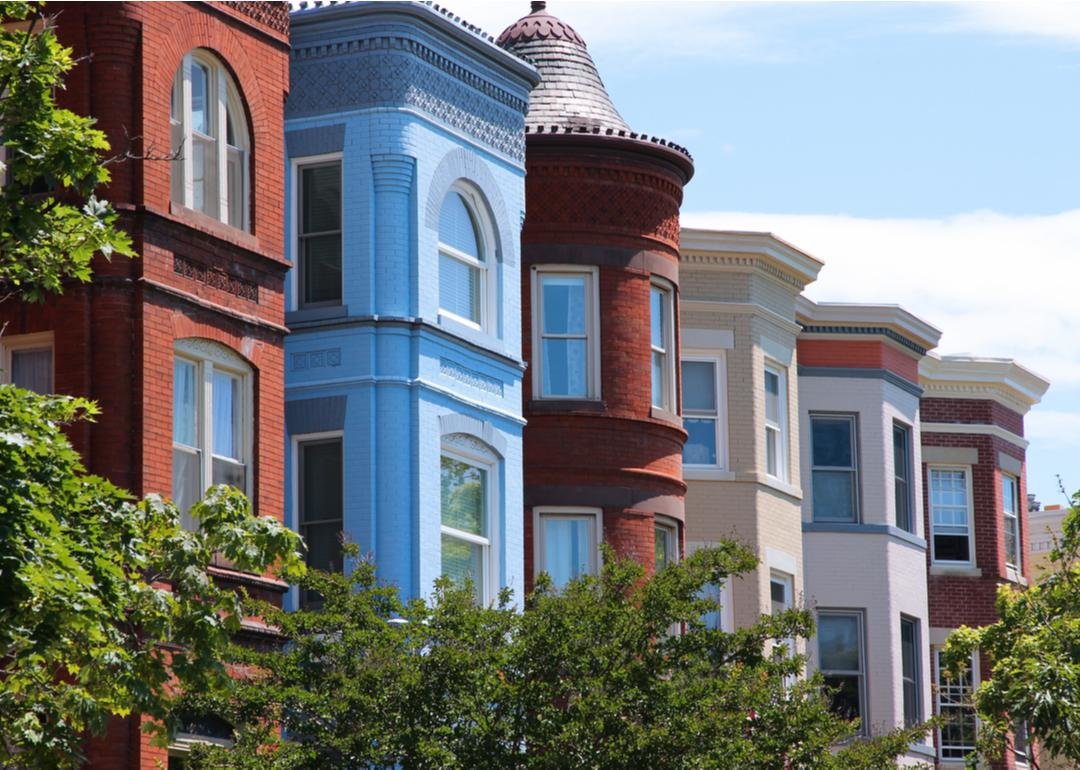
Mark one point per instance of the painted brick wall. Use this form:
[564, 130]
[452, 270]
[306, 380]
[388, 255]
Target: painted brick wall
[858, 354]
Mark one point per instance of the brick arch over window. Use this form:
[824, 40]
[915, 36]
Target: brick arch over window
[461, 166]
[479, 430]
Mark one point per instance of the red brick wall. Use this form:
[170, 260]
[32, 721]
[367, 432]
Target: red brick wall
[972, 410]
[858, 354]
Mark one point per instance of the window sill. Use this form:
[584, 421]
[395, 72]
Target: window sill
[315, 314]
[214, 227]
[548, 405]
[780, 486]
[1014, 577]
[959, 570]
[701, 473]
[665, 415]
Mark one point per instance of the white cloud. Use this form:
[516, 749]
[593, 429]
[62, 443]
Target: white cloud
[995, 285]
[1057, 20]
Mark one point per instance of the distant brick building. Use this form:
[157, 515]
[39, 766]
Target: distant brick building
[182, 348]
[973, 454]
[600, 283]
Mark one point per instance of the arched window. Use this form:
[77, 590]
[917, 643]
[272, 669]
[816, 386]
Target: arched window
[464, 260]
[210, 141]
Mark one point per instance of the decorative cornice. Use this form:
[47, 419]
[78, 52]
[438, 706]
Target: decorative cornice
[848, 315]
[997, 379]
[866, 331]
[744, 263]
[974, 429]
[715, 247]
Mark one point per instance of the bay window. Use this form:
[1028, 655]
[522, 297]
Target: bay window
[841, 659]
[565, 334]
[951, 515]
[1011, 521]
[26, 361]
[775, 382]
[834, 467]
[465, 274]
[902, 477]
[703, 399]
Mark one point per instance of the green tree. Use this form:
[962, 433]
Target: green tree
[1034, 655]
[586, 677]
[105, 602]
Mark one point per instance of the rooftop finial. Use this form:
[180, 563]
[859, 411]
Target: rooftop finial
[538, 5]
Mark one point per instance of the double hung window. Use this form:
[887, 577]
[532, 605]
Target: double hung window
[665, 543]
[842, 662]
[1011, 521]
[775, 423]
[909, 674]
[568, 543]
[209, 141]
[834, 467]
[958, 728]
[902, 477]
[950, 515]
[27, 361]
[566, 331]
[466, 523]
[662, 336]
[318, 232]
[320, 495]
[703, 395]
[463, 262]
[212, 419]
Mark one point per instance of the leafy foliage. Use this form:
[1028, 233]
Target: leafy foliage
[1034, 652]
[88, 627]
[586, 677]
[51, 224]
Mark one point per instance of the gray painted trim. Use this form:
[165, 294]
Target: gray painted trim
[479, 429]
[315, 415]
[1009, 464]
[865, 529]
[869, 374]
[950, 455]
[320, 140]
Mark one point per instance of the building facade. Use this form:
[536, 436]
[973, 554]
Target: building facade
[973, 457]
[182, 347]
[403, 368]
[599, 285]
[864, 540]
[741, 408]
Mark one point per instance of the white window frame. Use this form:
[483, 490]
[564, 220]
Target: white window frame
[862, 673]
[486, 266]
[672, 527]
[667, 401]
[719, 362]
[938, 687]
[208, 356]
[970, 511]
[12, 343]
[223, 96]
[853, 420]
[296, 167]
[596, 531]
[592, 329]
[296, 443]
[491, 544]
[1012, 560]
[781, 427]
[909, 460]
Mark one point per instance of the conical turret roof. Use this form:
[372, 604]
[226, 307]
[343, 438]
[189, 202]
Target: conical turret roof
[571, 94]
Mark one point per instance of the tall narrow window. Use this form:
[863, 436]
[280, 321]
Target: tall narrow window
[568, 544]
[909, 674]
[320, 496]
[212, 422]
[902, 477]
[702, 397]
[208, 123]
[319, 233]
[957, 732]
[564, 307]
[834, 468]
[1011, 522]
[782, 598]
[775, 419]
[662, 341]
[27, 361]
[466, 544]
[840, 656]
[950, 515]
[665, 543]
[462, 263]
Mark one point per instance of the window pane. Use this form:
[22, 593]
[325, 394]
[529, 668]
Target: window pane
[184, 387]
[321, 192]
[229, 472]
[563, 372]
[226, 412]
[456, 226]
[200, 99]
[844, 698]
[235, 178]
[834, 495]
[564, 304]
[771, 451]
[321, 264]
[324, 546]
[463, 496]
[951, 548]
[321, 481]
[902, 479]
[663, 545]
[772, 396]
[700, 447]
[459, 287]
[909, 666]
[461, 560]
[657, 302]
[832, 442]
[658, 388]
[32, 369]
[567, 547]
[177, 172]
[204, 175]
[838, 642]
[699, 386]
[185, 483]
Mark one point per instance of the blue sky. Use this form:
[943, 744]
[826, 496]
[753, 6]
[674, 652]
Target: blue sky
[929, 153]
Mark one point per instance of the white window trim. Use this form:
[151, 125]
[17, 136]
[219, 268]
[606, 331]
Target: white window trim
[856, 472]
[296, 165]
[935, 658]
[665, 522]
[489, 463]
[723, 590]
[592, 330]
[487, 265]
[783, 471]
[11, 343]
[221, 81]
[668, 402]
[864, 674]
[208, 356]
[970, 510]
[568, 511]
[1015, 564]
[719, 360]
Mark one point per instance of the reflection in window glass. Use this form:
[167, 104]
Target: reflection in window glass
[700, 413]
[833, 468]
[564, 336]
[464, 523]
[840, 661]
